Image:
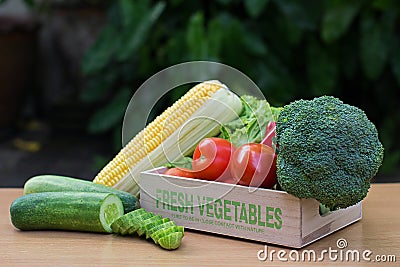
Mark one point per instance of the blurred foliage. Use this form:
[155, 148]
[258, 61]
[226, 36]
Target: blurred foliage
[27, 2]
[291, 48]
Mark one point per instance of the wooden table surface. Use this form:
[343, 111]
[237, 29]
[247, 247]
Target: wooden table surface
[378, 231]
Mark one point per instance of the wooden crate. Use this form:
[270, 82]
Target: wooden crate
[265, 215]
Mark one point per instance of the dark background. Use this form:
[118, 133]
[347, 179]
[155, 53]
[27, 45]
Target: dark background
[69, 68]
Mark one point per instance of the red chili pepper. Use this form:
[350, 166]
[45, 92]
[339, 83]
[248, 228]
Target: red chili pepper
[270, 134]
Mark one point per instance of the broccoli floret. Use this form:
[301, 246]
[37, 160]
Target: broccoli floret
[328, 151]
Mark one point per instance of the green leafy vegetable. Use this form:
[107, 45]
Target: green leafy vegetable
[275, 112]
[251, 124]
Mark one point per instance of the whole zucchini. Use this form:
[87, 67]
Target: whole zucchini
[76, 211]
[56, 183]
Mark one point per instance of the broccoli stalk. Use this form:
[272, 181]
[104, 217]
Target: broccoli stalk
[328, 151]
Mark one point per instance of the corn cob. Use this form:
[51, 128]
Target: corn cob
[171, 135]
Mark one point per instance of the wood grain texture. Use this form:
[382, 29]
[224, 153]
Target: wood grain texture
[314, 226]
[378, 231]
[203, 196]
[297, 224]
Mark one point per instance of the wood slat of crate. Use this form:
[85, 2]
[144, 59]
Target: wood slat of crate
[265, 215]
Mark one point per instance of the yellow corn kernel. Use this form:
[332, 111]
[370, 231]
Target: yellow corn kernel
[156, 132]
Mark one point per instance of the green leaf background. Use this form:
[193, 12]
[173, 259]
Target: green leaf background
[291, 48]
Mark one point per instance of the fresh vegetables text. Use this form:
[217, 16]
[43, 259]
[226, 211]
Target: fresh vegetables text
[219, 209]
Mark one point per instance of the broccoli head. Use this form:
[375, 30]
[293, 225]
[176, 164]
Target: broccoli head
[328, 151]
